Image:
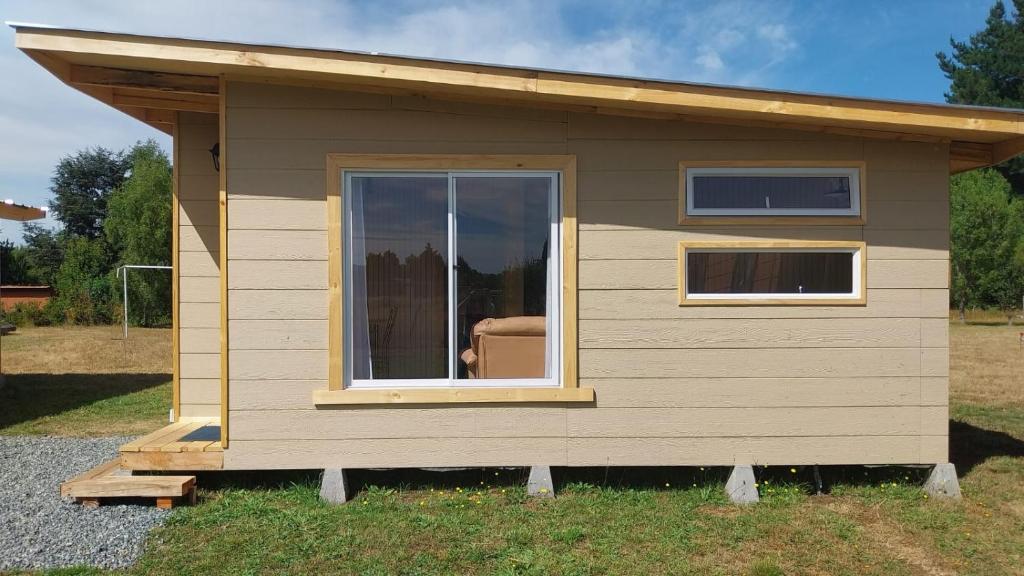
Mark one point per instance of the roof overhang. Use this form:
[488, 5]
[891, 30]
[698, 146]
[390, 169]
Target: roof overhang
[19, 212]
[151, 78]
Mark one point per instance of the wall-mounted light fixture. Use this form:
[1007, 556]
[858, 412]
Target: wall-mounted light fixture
[215, 152]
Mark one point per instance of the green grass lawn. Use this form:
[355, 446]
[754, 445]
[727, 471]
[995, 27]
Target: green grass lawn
[638, 521]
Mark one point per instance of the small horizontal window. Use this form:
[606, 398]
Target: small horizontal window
[746, 273]
[728, 191]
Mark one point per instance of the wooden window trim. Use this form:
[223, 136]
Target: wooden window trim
[792, 245]
[688, 220]
[569, 391]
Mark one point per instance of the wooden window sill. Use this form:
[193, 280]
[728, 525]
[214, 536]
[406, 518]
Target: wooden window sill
[451, 395]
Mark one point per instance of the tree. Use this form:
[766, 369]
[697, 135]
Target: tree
[138, 230]
[81, 185]
[44, 251]
[988, 70]
[987, 250]
[14, 264]
[84, 294]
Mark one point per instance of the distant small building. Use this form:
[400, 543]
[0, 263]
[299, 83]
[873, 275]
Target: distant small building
[10, 296]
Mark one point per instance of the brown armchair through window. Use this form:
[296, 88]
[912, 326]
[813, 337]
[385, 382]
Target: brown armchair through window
[512, 347]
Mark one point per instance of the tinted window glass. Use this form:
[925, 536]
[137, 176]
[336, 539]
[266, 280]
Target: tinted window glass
[769, 272]
[771, 192]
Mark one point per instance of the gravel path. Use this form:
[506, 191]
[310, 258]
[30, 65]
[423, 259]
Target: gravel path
[38, 529]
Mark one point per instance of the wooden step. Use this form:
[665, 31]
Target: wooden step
[109, 480]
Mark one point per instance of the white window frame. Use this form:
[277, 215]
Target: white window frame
[553, 313]
[856, 296]
[851, 172]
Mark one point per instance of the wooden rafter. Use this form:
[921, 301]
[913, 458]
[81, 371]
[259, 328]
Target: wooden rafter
[139, 79]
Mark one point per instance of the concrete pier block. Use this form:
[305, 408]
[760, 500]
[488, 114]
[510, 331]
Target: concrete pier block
[540, 484]
[334, 486]
[740, 488]
[942, 482]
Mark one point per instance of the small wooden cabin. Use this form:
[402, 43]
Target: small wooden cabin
[384, 261]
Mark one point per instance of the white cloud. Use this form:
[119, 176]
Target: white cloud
[710, 60]
[731, 41]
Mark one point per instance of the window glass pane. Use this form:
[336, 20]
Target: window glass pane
[769, 272]
[398, 251]
[772, 192]
[503, 227]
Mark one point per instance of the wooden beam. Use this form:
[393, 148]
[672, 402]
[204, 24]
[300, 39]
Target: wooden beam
[165, 101]
[964, 156]
[1007, 149]
[20, 213]
[144, 80]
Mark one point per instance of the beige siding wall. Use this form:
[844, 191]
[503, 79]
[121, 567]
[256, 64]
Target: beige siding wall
[675, 386]
[198, 269]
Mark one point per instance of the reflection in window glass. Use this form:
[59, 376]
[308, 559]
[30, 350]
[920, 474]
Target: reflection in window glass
[503, 227]
[399, 277]
[772, 192]
[769, 272]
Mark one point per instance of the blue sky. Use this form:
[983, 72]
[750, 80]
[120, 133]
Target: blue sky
[873, 48]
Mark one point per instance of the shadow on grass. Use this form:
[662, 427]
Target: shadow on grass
[26, 397]
[970, 445]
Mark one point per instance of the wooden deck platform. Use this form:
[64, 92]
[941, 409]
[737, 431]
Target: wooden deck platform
[110, 480]
[190, 445]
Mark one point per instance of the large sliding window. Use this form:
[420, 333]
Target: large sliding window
[451, 279]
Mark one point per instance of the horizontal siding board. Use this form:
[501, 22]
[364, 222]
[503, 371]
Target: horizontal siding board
[629, 128]
[303, 154]
[277, 274]
[200, 391]
[886, 155]
[380, 422]
[747, 422]
[602, 155]
[200, 365]
[667, 392]
[278, 334]
[268, 95]
[788, 451]
[200, 410]
[199, 289]
[276, 215]
[394, 453]
[763, 333]
[935, 362]
[628, 185]
[278, 304]
[760, 363]
[199, 213]
[277, 244]
[199, 264]
[760, 392]
[199, 340]
[269, 184]
[908, 215]
[204, 239]
[664, 244]
[200, 185]
[935, 390]
[278, 364]
[663, 215]
[908, 274]
[640, 304]
[274, 394]
[199, 315]
[369, 124]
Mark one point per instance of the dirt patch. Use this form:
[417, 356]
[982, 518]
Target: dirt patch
[890, 536]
